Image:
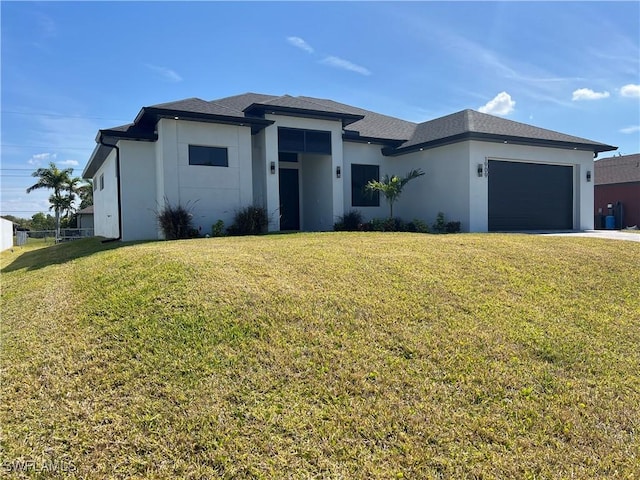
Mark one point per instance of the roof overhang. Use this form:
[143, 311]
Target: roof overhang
[151, 115]
[261, 110]
[493, 138]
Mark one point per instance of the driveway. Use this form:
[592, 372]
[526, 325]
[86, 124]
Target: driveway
[629, 235]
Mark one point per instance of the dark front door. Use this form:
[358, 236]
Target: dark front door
[289, 199]
[530, 196]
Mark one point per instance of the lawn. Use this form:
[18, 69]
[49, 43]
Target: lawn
[329, 355]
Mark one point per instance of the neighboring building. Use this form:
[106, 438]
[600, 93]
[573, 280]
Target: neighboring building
[617, 183]
[306, 161]
[85, 218]
[6, 234]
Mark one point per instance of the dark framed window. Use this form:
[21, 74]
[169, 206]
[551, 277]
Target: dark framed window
[102, 181]
[208, 156]
[95, 184]
[297, 140]
[360, 176]
[288, 157]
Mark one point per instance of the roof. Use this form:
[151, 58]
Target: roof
[620, 169]
[469, 124]
[86, 211]
[396, 135]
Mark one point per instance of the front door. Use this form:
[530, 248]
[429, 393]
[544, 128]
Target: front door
[289, 199]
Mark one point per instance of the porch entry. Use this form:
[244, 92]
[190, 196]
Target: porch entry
[305, 179]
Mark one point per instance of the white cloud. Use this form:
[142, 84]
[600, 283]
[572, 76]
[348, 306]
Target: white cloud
[632, 129]
[300, 43]
[588, 94]
[502, 104]
[166, 73]
[69, 163]
[345, 65]
[40, 158]
[630, 90]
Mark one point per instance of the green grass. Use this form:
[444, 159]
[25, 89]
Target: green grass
[337, 355]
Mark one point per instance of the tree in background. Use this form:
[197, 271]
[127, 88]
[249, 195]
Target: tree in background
[391, 187]
[40, 221]
[60, 182]
[85, 192]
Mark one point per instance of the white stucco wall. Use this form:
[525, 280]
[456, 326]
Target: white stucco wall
[332, 198]
[479, 186]
[212, 193]
[6, 234]
[259, 170]
[316, 183]
[364, 154]
[138, 190]
[105, 201]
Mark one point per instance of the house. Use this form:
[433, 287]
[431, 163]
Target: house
[306, 161]
[617, 183]
[85, 220]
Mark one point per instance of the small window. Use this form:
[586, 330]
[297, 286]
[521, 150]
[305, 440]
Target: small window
[318, 142]
[102, 181]
[95, 184]
[360, 176]
[288, 157]
[209, 156]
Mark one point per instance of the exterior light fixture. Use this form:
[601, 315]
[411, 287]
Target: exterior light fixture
[588, 175]
[273, 168]
[338, 171]
[480, 169]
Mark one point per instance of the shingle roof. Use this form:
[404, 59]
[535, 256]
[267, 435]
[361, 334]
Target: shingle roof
[197, 105]
[472, 122]
[621, 169]
[86, 210]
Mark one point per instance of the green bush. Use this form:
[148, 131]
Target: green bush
[175, 221]
[249, 221]
[349, 222]
[439, 226]
[452, 227]
[217, 229]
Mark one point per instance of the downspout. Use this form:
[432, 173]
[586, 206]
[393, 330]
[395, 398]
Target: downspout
[119, 192]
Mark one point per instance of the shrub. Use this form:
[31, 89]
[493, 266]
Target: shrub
[175, 221]
[420, 226]
[349, 222]
[388, 225]
[439, 226]
[217, 229]
[452, 227]
[249, 221]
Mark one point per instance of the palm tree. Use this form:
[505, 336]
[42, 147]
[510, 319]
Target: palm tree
[86, 194]
[391, 187]
[57, 180]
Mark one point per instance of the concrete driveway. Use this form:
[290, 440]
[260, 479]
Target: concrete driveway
[629, 235]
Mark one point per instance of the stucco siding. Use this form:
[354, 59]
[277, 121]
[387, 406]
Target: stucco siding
[443, 188]
[363, 154]
[105, 200]
[317, 212]
[138, 190]
[211, 193]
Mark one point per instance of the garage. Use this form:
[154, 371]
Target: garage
[530, 196]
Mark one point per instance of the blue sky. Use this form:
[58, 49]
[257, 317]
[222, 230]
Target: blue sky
[71, 68]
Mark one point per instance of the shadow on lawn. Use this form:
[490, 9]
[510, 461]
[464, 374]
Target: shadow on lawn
[60, 253]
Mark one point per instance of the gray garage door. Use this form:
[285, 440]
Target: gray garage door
[530, 196]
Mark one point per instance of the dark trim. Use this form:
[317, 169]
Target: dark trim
[495, 138]
[390, 143]
[261, 109]
[151, 115]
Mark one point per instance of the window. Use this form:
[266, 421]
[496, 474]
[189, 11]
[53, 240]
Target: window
[209, 156]
[304, 141]
[288, 157]
[102, 181]
[95, 184]
[360, 176]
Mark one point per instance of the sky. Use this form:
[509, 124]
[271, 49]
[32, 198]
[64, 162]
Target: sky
[69, 69]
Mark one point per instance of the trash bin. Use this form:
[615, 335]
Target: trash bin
[610, 222]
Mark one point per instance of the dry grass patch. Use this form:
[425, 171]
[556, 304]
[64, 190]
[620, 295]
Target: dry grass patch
[350, 355]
